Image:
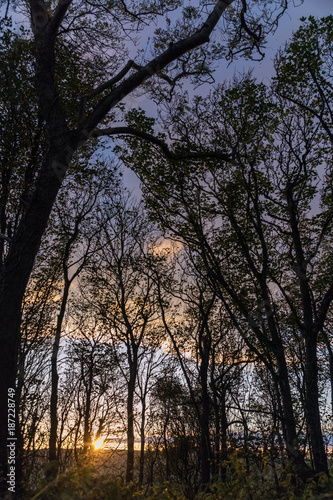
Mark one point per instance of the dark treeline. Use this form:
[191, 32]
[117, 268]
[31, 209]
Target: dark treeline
[155, 361]
[182, 342]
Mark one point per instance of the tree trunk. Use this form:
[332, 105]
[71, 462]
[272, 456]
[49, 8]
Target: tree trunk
[142, 438]
[130, 426]
[312, 406]
[55, 379]
[205, 448]
[8, 416]
[224, 444]
[217, 447]
[14, 277]
[205, 454]
[86, 426]
[294, 454]
[166, 444]
[76, 439]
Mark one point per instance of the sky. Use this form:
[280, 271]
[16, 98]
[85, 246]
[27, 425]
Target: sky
[262, 70]
[288, 24]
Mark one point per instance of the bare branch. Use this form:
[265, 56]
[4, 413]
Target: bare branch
[244, 25]
[311, 110]
[112, 81]
[193, 155]
[59, 14]
[160, 75]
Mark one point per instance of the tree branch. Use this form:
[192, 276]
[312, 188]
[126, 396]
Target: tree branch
[194, 155]
[155, 66]
[101, 88]
[59, 15]
[326, 302]
[170, 81]
[112, 81]
[311, 110]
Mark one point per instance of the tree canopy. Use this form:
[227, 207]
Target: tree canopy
[240, 178]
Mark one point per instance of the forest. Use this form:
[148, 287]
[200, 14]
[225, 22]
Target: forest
[173, 341]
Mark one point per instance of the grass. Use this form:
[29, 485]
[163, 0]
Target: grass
[84, 483]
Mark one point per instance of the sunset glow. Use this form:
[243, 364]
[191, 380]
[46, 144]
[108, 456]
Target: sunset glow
[98, 444]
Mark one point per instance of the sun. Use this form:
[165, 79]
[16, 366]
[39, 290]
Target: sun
[98, 444]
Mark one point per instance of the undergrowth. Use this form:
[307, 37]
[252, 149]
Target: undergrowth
[84, 484]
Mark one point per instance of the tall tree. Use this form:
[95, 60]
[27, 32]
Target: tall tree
[75, 230]
[76, 47]
[123, 291]
[248, 217]
[304, 71]
[207, 358]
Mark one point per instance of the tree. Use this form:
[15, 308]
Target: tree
[303, 71]
[76, 226]
[173, 451]
[240, 216]
[199, 335]
[308, 86]
[150, 364]
[22, 137]
[33, 387]
[203, 208]
[78, 33]
[123, 291]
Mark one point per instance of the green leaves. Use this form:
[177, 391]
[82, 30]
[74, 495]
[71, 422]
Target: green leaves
[254, 224]
[22, 136]
[304, 70]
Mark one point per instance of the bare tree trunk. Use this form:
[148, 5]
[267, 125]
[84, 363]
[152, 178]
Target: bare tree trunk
[205, 448]
[312, 406]
[142, 438]
[55, 379]
[130, 426]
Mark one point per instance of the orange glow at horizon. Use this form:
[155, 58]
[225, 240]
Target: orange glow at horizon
[98, 444]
